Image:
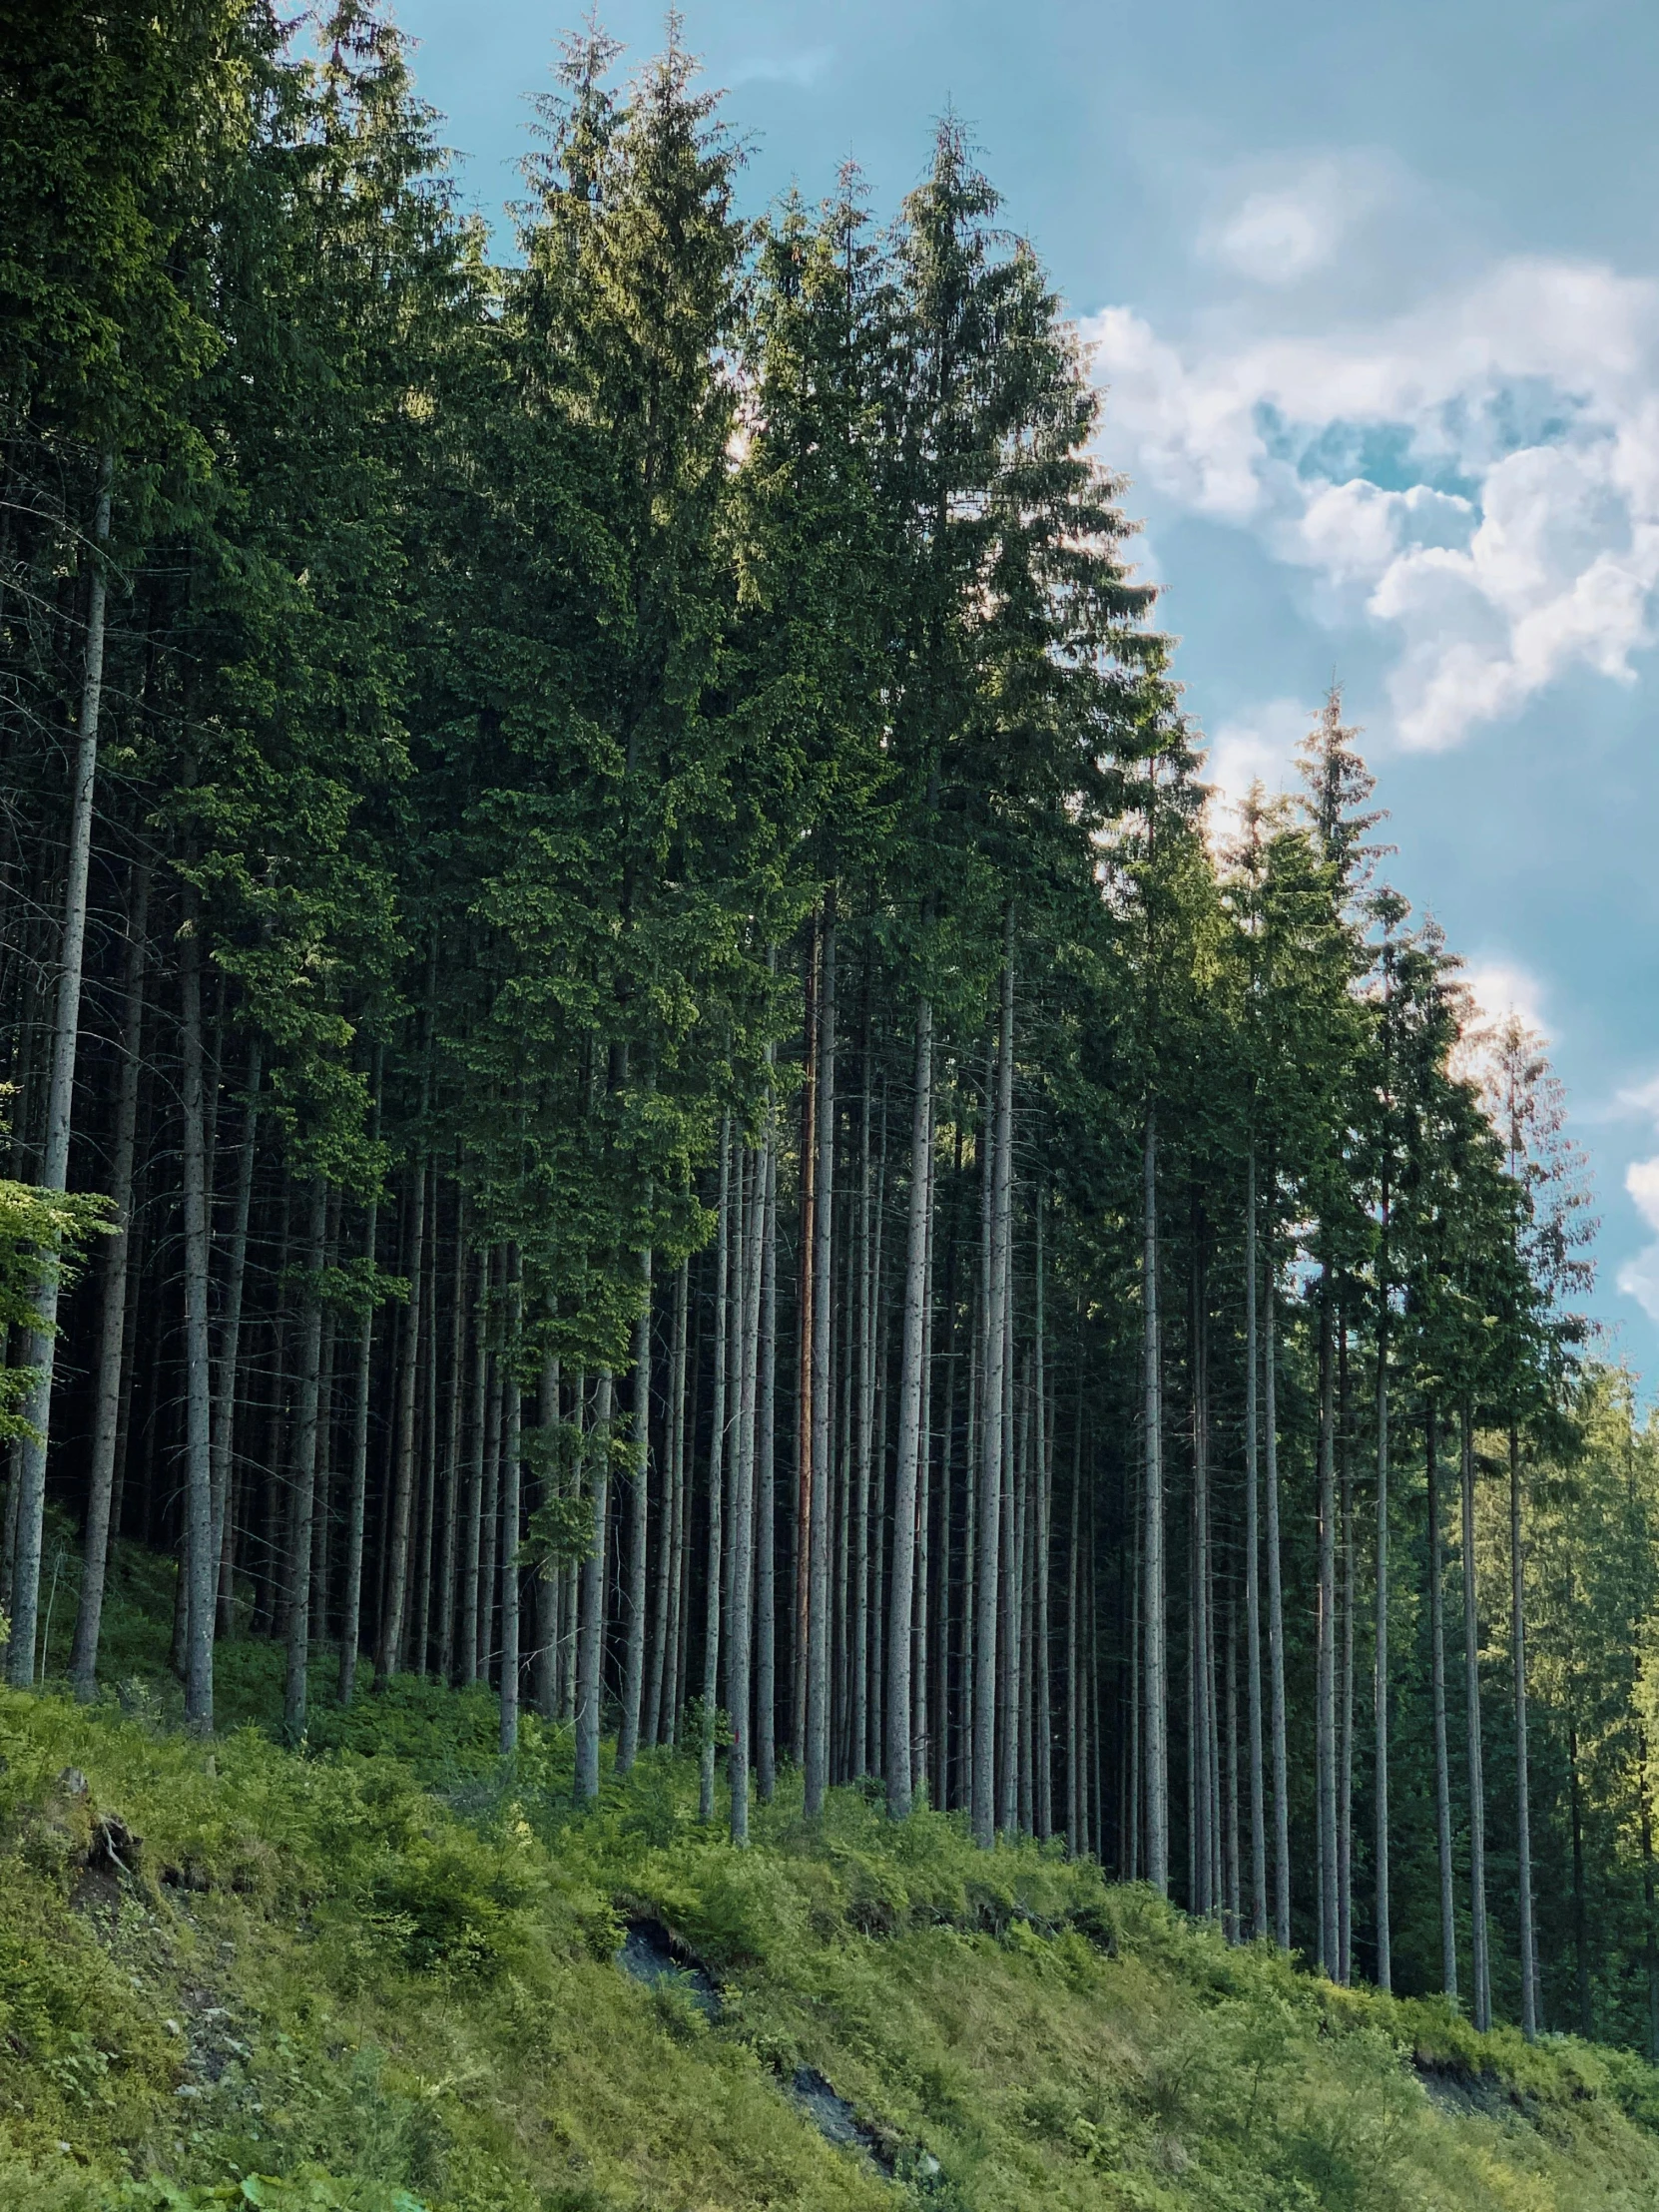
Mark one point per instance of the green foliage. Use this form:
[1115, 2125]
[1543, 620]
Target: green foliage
[375, 2003]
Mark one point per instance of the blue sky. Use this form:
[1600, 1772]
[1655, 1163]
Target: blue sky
[1374, 293]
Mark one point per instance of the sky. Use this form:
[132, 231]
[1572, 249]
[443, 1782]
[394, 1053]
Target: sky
[1372, 293]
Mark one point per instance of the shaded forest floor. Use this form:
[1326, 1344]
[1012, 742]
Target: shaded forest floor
[396, 1972]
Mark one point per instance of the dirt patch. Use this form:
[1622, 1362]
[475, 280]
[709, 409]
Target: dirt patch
[836, 2120]
[654, 1954]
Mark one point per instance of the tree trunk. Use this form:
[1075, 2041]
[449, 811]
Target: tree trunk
[680, 1544]
[1276, 1622]
[1260, 1910]
[1074, 1600]
[351, 1605]
[590, 1635]
[740, 1668]
[472, 1532]
[765, 1506]
[1481, 1968]
[544, 1672]
[420, 1639]
[489, 1531]
[1437, 1664]
[389, 1659]
[655, 1724]
[910, 1388]
[452, 1451]
[1325, 1656]
[1344, 1672]
[112, 1316]
[633, 1685]
[40, 1348]
[717, 1481]
[302, 1496]
[1154, 1738]
[815, 1534]
[511, 1490]
[1043, 1719]
[200, 1564]
[988, 1559]
[1523, 1793]
[806, 1349]
[1380, 1680]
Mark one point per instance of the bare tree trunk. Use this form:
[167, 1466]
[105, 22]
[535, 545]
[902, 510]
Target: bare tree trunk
[1326, 1655]
[1154, 1633]
[805, 1351]
[862, 1351]
[988, 1559]
[40, 1348]
[815, 1534]
[910, 1388]
[544, 1672]
[1580, 1902]
[1230, 1720]
[489, 1520]
[920, 1648]
[1345, 1673]
[389, 1659]
[766, 1509]
[452, 1450]
[420, 1640]
[302, 1496]
[590, 1635]
[654, 1724]
[1523, 1793]
[716, 1481]
[201, 1563]
[679, 1548]
[1275, 1624]
[1379, 1684]
[322, 1535]
[1481, 1968]
[633, 1687]
[1043, 1724]
[112, 1316]
[229, 1340]
[511, 1487]
[1074, 1600]
[1260, 1909]
[740, 1670]
[1442, 1770]
[351, 1606]
[472, 1532]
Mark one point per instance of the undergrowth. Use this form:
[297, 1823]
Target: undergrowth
[379, 1973]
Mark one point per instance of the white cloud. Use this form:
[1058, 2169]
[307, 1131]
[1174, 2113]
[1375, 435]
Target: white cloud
[1478, 479]
[1641, 1179]
[1278, 235]
[1638, 1277]
[1500, 988]
[1255, 748]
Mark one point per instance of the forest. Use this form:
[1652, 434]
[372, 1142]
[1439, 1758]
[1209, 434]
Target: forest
[640, 1071]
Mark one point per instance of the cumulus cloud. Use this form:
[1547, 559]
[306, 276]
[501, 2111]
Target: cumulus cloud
[1500, 988]
[1258, 748]
[1638, 1277]
[1477, 477]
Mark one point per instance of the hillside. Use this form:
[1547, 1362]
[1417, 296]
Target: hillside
[385, 1974]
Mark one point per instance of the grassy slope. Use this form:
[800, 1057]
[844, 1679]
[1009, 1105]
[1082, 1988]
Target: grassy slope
[383, 1975]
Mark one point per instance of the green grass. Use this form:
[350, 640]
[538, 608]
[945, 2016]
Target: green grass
[380, 1974]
